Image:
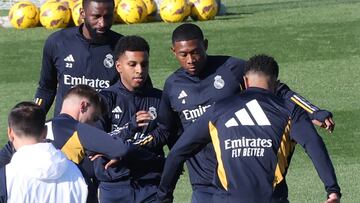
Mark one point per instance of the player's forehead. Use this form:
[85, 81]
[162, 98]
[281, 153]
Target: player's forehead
[94, 7]
[138, 56]
[188, 45]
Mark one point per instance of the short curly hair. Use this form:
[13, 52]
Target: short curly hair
[131, 43]
[186, 32]
[263, 64]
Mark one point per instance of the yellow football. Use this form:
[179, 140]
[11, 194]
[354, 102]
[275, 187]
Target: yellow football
[150, 6]
[24, 15]
[173, 11]
[117, 18]
[54, 15]
[75, 12]
[203, 9]
[132, 11]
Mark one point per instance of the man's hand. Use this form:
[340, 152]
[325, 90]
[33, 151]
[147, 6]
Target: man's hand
[333, 198]
[143, 118]
[323, 119]
[328, 124]
[93, 157]
[111, 163]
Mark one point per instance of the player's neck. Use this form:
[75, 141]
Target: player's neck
[71, 110]
[258, 81]
[86, 32]
[26, 141]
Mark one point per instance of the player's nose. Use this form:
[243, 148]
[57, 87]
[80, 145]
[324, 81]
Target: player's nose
[139, 69]
[101, 22]
[190, 59]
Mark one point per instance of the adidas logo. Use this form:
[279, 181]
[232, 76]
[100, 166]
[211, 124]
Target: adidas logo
[117, 109]
[182, 96]
[244, 118]
[69, 58]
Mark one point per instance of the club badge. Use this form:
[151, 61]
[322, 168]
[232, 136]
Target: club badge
[152, 112]
[108, 61]
[219, 83]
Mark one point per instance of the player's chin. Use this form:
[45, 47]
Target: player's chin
[100, 35]
[137, 83]
[191, 71]
[101, 32]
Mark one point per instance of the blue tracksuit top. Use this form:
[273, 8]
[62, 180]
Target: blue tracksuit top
[253, 134]
[70, 59]
[186, 97]
[122, 106]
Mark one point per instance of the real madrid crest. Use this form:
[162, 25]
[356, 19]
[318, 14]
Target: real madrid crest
[109, 61]
[219, 83]
[152, 112]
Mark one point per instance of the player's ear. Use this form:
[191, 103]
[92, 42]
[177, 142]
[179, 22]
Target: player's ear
[246, 81]
[206, 44]
[82, 13]
[12, 138]
[83, 106]
[118, 66]
[10, 134]
[173, 50]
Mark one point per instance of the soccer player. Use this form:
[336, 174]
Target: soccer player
[202, 81]
[251, 133]
[38, 172]
[70, 132]
[79, 55]
[132, 114]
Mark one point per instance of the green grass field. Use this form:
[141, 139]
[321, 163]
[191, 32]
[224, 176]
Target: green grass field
[317, 45]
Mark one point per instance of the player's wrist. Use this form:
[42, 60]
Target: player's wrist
[321, 115]
[334, 195]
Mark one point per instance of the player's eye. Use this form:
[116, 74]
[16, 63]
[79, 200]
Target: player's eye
[132, 64]
[195, 53]
[96, 16]
[182, 54]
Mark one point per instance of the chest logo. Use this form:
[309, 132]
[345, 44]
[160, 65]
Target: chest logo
[69, 60]
[152, 112]
[182, 96]
[219, 83]
[117, 111]
[108, 61]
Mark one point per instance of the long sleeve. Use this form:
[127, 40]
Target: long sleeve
[167, 129]
[286, 93]
[194, 138]
[95, 140]
[304, 133]
[125, 132]
[46, 90]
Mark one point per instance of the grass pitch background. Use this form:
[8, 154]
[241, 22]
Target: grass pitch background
[317, 45]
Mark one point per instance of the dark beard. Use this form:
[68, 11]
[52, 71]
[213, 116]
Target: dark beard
[96, 38]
